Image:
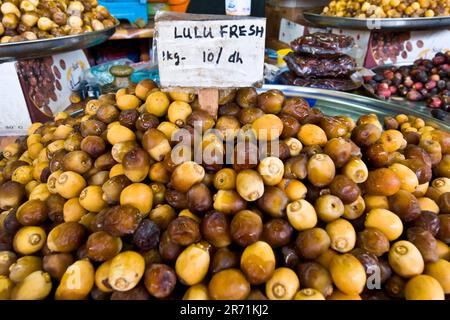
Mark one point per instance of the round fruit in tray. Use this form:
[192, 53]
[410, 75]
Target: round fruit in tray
[425, 80]
[387, 8]
[22, 20]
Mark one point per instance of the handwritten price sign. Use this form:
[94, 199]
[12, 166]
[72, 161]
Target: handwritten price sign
[208, 51]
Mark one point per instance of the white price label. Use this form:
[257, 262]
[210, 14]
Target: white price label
[211, 52]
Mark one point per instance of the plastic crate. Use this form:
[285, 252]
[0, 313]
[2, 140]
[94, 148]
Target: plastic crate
[130, 10]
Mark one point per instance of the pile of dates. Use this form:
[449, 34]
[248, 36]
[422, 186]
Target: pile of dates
[425, 80]
[364, 9]
[110, 205]
[22, 20]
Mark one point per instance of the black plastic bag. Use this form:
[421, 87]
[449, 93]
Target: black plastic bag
[323, 44]
[310, 66]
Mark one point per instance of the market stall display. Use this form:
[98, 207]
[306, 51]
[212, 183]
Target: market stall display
[103, 199]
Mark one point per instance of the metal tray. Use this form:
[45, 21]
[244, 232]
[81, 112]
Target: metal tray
[341, 103]
[394, 24]
[48, 47]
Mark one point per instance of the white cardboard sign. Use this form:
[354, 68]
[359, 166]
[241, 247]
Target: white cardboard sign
[210, 51]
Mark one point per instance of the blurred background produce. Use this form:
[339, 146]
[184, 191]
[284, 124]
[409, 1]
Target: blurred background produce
[23, 20]
[387, 8]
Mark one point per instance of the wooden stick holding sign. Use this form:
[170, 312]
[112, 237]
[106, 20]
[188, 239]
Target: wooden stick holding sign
[205, 53]
[209, 101]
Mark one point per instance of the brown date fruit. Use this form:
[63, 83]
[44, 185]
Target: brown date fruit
[405, 205]
[176, 199]
[425, 242]
[78, 161]
[160, 280]
[390, 123]
[151, 256]
[137, 293]
[216, 229]
[200, 119]
[57, 159]
[311, 243]
[199, 198]
[113, 187]
[444, 203]
[339, 151]
[101, 246]
[55, 205]
[296, 107]
[246, 228]
[98, 295]
[277, 232]
[107, 113]
[6, 240]
[382, 182]
[168, 250]
[368, 260]
[146, 121]
[366, 134]
[66, 237]
[11, 224]
[248, 115]
[93, 145]
[184, 231]
[373, 240]
[271, 101]
[118, 221]
[421, 169]
[11, 195]
[290, 126]
[146, 236]
[313, 275]
[296, 167]
[395, 286]
[344, 188]
[128, 118]
[105, 161]
[312, 150]
[56, 264]
[92, 127]
[273, 202]
[444, 230]
[229, 109]
[247, 97]
[223, 259]
[32, 213]
[333, 127]
[289, 256]
[385, 270]
[429, 221]
[245, 155]
[412, 137]
[376, 155]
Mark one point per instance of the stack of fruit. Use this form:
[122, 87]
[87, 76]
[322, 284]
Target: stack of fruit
[100, 207]
[424, 80]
